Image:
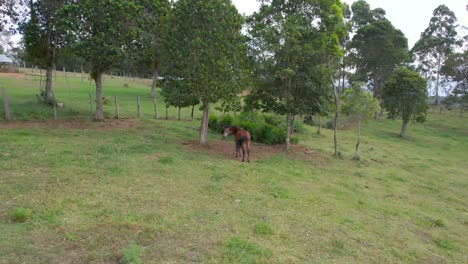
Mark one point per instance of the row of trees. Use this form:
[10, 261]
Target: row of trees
[296, 57]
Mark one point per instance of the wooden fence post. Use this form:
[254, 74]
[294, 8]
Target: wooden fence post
[6, 107]
[117, 113]
[155, 108]
[138, 107]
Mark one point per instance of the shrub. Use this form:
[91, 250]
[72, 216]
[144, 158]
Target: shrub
[240, 251]
[224, 121]
[264, 229]
[267, 129]
[132, 254]
[294, 140]
[20, 214]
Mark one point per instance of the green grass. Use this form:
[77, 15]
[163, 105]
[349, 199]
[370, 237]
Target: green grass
[105, 192]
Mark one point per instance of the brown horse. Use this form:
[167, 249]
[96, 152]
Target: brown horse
[242, 140]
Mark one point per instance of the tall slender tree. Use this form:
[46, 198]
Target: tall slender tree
[149, 46]
[204, 47]
[103, 30]
[292, 43]
[435, 45]
[44, 37]
[377, 48]
[360, 105]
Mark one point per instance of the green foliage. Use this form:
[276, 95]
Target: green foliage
[263, 229]
[20, 214]
[132, 254]
[239, 251]
[294, 140]
[359, 103]
[179, 93]
[267, 129]
[204, 47]
[435, 45]
[44, 35]
[445, 244]
[166, 160]
[405, 96]
[377, 49]
[293, 78]
[456, 68]
[291, 55]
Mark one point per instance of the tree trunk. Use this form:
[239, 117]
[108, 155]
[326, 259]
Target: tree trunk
[356, 154]
[204, 124]
[288, 131]
[48, 96]
[403, 128]
[167, 112]
[193, 108]
[178, 114]
[155, 80]
[293, 124]
[436, 100]
[99, 116]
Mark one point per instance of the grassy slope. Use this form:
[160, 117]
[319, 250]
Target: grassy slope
[96, 193]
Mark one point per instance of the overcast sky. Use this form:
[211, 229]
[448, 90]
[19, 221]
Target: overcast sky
[410, 16]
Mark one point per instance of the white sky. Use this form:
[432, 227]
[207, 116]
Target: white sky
[410, 16]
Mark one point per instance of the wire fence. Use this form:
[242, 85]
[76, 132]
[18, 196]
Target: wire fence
[123, 97]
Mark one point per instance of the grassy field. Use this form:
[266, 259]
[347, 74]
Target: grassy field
[130, 191]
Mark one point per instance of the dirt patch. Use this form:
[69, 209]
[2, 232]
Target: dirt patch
[74, 124]
[12, 75]
[257, 151]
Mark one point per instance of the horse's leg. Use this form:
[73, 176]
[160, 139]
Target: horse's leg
[243, 151]
[237, 149]
[248, 151]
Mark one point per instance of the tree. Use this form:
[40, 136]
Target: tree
[178, 93]
[404, 96]
[11, 12]
[360, 105]
[103, 31]
[456, 68]
[43, 39]
[205, 48]
[377, 49]
[436, 43]
[292, 43]
[149, 46]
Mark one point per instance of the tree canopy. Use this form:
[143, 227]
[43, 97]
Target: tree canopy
[377, 48]
[404, 96]
[205, 48]
[360, 105]
[435, 45]
[103, 31]
[292, 44]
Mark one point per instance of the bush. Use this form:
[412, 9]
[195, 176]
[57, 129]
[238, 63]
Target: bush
[264, 229]
[267, 129]
[294, 140]
[132, 254]
[20, 214]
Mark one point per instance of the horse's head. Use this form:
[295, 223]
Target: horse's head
[227, 131]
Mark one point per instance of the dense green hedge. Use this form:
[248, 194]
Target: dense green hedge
[268, 129]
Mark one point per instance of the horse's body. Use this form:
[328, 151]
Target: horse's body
[242, 138]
